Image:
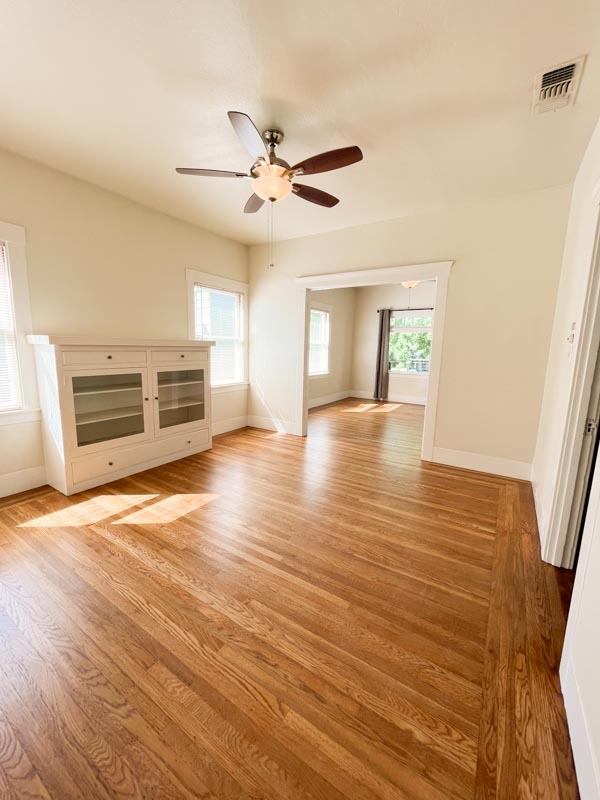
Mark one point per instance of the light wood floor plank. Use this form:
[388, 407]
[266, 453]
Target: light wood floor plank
[291, 619]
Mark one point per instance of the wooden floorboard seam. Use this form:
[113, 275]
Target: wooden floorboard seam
[327, 618]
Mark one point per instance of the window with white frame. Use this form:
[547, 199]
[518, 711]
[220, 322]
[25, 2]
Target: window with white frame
[410, 341]
[318, 354]
[10, 383]
[219, 316]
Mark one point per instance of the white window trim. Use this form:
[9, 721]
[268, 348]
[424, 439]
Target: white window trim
[14, 239]
[329, 310]
[194, 277]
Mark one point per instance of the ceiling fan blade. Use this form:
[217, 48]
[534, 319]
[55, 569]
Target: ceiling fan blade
[333, 159]
[315, 195]
[254, 204]
[248, 135]
[211, 173]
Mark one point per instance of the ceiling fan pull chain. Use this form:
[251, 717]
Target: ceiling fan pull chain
[270, 233]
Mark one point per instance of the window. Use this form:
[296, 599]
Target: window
[218, 315]
[410, 341]
[318, 354]
[218, 311]
[10, 384]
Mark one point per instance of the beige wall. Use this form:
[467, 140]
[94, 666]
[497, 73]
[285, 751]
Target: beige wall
[405, 388]
[501, 296]
[99, 264]
[20, 447]
[324, 388]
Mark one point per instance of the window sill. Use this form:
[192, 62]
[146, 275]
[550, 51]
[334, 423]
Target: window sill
[393, 373]
[230, 387]
[20, 416]
[319, 375]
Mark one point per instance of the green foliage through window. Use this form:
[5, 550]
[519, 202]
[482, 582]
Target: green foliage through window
[410, 344]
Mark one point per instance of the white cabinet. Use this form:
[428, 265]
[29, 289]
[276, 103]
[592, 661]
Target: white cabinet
[112, 408]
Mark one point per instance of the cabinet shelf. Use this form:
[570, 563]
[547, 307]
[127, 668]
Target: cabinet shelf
[103, 389]
[90, 417]
[182, 402]
[178, 382]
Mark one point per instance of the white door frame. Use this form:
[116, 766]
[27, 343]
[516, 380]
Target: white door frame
[557, 550]
[435, 270]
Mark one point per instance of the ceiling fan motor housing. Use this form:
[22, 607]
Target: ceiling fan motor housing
[271, 180]
[273, 137]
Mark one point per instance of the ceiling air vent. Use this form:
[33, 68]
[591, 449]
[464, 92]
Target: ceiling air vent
[557, 87]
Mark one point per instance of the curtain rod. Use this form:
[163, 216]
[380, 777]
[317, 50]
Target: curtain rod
[406, 309]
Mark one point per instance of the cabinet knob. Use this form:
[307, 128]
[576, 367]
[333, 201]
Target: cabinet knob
[145, 398]
[156, 398]
[182, 355]
[110, 463]
[189, 441]
[109, 356]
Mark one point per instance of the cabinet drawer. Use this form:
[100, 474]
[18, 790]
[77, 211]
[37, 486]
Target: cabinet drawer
[112, 461]
[82, 358]
[179, 356]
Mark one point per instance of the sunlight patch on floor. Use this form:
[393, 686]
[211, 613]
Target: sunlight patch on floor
[102, 508]
[88, 512]
[167, 510]
[385, 408]
[376, 408]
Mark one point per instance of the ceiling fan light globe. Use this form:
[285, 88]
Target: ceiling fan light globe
[271, 187]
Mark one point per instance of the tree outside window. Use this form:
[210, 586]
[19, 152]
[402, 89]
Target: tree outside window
[410, 343]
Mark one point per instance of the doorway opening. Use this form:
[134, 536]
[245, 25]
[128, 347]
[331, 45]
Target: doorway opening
[413, 346]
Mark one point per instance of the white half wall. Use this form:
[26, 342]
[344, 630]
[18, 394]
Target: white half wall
[507, 255]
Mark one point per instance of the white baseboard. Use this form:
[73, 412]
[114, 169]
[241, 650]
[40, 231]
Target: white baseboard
[586, 764]
[226, 425]
[329, 398]
[22, 480]
[269, 424]
[409, 399]
[540, 512]
[505, 467]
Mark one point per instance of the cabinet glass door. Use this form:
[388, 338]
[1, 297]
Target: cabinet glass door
[180, 395]
[108, 407]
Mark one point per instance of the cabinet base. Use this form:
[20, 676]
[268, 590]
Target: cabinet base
[101, 480]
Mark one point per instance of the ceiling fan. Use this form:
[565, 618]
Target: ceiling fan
[272, 177]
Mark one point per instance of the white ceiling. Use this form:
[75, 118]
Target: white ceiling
[437, 93]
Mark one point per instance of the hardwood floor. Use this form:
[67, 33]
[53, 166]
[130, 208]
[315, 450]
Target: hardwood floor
[325, 618]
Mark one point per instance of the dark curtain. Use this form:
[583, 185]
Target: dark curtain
[383, 355]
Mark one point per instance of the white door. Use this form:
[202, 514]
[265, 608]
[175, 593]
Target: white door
[179, 399]
[106, 408]
[584, 471]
